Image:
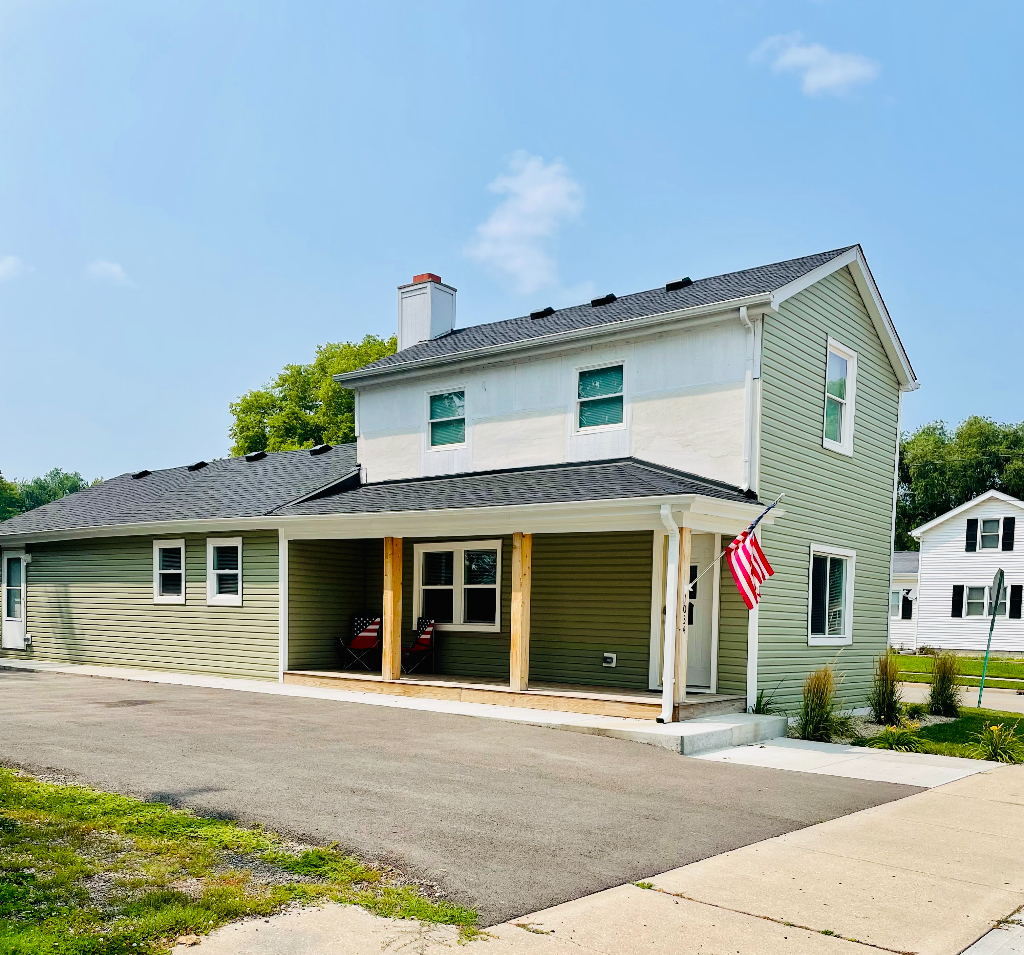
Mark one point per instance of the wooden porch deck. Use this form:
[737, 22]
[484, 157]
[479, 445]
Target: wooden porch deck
[562, 697]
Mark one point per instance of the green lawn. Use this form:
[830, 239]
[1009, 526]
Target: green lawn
[84, 872]
[1005, 667]
[999, 684]
[959, 737]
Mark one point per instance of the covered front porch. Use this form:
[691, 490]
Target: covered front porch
[566, 614]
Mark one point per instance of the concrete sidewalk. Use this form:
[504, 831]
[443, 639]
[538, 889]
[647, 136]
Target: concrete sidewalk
[930, 874]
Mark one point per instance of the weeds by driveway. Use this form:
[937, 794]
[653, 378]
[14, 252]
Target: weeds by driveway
[84, 872]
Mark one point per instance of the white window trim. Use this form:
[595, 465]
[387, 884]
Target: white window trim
[16, 635]
[849, 411]
[979, 549]
[984, 601]
[899, 603]
[465, 417]
[159, 598]
[214, 599]
[598, 429]
[459, 547]
[830, 550]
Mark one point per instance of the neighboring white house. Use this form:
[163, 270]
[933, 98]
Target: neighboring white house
[960, 553]
[903, 600]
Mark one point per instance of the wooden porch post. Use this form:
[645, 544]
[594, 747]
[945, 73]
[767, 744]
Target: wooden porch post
[682, 612]
[391, 639]
[522, 573]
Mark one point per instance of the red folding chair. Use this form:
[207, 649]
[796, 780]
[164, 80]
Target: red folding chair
[364, 644]
[422, 649]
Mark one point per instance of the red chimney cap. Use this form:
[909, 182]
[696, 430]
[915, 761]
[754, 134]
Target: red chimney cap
[426, 277]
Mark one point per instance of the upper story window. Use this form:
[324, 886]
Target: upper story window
[169, 572]
[224, 571]
[840, 388]
[599, 397]
[990, 533]
[831, 596]
[447, 419]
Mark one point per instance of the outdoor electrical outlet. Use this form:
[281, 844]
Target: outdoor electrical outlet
[608, 660]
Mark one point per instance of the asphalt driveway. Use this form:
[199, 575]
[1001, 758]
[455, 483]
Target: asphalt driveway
[505, 818]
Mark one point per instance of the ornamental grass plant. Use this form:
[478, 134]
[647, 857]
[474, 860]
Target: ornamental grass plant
[944, 696]
[819, 718]
[886, 697]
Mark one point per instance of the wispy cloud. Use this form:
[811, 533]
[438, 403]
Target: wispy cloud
[517, 237]
[11, 266]
[820, 69]
[112, 272]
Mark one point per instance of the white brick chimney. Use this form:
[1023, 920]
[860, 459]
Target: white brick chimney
[426, 309]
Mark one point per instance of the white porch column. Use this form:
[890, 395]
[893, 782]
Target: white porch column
[673, 667]
[282, 603]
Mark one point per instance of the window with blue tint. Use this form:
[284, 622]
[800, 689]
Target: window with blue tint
[599, 397]
[447, 419]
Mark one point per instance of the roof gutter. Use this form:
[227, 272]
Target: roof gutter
[367, 375]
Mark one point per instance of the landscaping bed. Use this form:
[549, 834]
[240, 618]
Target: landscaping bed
[88, 873]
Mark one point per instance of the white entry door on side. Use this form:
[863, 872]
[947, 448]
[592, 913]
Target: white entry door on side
[699, 612]
[12, 636]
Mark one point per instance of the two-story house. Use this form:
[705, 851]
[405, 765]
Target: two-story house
[544, 490]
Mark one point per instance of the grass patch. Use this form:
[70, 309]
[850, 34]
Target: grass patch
[84, 872]
[1007, 668]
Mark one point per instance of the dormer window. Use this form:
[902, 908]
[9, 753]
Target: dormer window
[447, 419]
[599, 398]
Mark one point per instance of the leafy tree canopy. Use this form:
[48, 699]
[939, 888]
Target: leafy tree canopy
[303, 406]
[19, 496]
[941, 469]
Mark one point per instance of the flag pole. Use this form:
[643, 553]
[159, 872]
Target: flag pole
[754, 524]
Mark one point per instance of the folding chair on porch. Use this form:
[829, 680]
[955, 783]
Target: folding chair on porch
[364, 644]
[422, 648]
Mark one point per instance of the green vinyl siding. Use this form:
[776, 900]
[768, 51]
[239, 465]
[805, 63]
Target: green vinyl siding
[830, 498]
[591, 594]
[732, 634]
[329, 583]
[91, 601]
[462, 652]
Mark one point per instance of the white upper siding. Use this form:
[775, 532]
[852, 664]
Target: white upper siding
[902, 632]
[684, 408]
[944, 563]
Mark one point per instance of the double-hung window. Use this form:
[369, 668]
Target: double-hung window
[599, 397]
[895, 600]
[840, 389]
[224, 571]
[447, 419]
[990, 533]
[457, 585]
[830, 602]
[169, 572]
[976, 601]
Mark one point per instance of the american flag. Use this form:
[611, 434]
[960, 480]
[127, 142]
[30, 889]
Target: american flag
[366, 632]
[749, 566]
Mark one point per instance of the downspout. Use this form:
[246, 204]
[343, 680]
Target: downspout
[748, 391]
[668, 656]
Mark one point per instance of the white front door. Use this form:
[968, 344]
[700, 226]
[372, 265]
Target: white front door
[13, 632]
[699, 613]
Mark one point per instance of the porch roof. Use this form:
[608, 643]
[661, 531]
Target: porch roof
[616, 479]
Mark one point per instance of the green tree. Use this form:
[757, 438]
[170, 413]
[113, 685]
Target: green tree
[10, 499]
[19, 496]
[941, 469]
[303, 406]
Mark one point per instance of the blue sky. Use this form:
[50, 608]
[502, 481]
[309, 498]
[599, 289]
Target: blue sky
[193, 194]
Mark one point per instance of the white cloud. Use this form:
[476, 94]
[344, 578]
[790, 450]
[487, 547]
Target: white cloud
[820, 69]
[517, 236]
[11, 266]
[112, 272]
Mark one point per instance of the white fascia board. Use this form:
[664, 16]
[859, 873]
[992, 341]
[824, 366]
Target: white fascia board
[980, 499]
[709, 515]
[717, 311]
[880, 318]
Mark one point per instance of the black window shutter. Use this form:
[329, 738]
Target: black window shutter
[907, 610]
[1009, 526]
[819, 586]
[1016, 591]
[958, 599]
[972, 534]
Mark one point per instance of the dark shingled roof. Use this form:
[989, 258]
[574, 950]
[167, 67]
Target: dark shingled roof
[550, 484]
[718, 288]
[905, 561]
[236, 488]
[228, 488]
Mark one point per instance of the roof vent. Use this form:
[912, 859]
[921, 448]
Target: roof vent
[320, 449]
[141, 474]
[543, 313]
[678, 284]
[603, 300]
[198, 466]
[255, 455]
